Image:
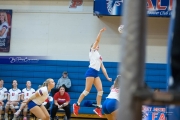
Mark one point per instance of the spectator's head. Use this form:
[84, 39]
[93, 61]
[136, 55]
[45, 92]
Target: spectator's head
[1, 82]
[14, 83]
[49, 83]
[61, 90]
[157, 90]
[65, 74]
[28, 84]
[3, 16]
[117, 82]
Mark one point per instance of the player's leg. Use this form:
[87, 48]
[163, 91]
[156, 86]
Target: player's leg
[22, 106]
[38, 112]
[25, 110]
[12, 107]
[88, 86]
[1, 108]
[98, 85]
[89, 83]
[7, 106]
[46, 113]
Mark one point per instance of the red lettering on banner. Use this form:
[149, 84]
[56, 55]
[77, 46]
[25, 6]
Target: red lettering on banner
[170, 4]
[150, 5]
[159, 7]
[154, 115]
[75, 3]
[162, 116]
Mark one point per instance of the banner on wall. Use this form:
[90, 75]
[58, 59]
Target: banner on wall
[76, 5]
[5, 29]
[22, 59]
[154, 112]
[155, 8]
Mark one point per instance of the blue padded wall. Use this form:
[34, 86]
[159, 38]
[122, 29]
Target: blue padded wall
[155, 76]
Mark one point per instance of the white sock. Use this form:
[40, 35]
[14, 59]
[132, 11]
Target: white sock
[78, 103]
[100, 106]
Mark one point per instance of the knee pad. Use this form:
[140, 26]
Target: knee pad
[85, 93]
[11, 106]
[100, 93]
[1, 107]
[7, 106]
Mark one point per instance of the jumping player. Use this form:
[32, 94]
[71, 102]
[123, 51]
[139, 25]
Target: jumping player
[92, 77]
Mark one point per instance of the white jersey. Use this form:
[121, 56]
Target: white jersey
[43, 92]
[3, 93]
[14, 94]
[95, 59]
[27, 93]
[114, 94]
[6, 26]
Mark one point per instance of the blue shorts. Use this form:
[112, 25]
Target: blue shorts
[91, 73]
[32, 104]
[110, 105]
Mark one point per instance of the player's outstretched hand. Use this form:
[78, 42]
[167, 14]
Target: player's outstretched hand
[110, 79]
[103, 29]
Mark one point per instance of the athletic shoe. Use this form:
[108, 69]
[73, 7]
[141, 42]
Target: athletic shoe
[98, 111]
[17, 113]
[75, 109]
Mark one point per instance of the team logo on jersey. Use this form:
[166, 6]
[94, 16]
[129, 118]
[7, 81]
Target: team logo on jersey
[40, 92]
[111, 4]
[100, 58]
[75, 3]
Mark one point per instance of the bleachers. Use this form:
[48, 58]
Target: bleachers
[155, 76]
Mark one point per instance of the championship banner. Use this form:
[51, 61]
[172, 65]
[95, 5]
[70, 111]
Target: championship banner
[155, 8]
[154, 113]
[76, 5]
[5, 30]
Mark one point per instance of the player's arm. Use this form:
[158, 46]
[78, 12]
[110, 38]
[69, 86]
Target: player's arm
[98, 38]
[56, 103]
[5, 95]
[8, 97]
[2, 31]
[22, 96]
[38, 93]
[19, 97]
[105, 72]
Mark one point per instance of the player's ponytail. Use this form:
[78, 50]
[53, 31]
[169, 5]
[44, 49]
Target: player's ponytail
[46, 82]
[117, 82]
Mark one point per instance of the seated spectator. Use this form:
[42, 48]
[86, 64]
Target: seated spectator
[26, 93]
[63, 81]
[14, 95]
[61, 100]
[3, 96]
